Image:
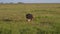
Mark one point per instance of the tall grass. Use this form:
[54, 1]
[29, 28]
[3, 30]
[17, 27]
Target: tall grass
[46, 19]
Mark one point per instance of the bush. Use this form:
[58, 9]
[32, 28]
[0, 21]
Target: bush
[7, 19]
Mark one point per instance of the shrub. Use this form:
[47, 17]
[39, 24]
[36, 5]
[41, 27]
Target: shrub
[7, 19]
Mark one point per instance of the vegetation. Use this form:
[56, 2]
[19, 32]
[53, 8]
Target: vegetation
[46, 19]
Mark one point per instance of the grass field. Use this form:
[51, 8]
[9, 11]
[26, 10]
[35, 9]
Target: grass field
[46, 19]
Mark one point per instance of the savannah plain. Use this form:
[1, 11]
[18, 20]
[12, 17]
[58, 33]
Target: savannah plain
[46, 19]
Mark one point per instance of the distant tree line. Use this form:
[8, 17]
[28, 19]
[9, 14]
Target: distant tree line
[11, 3]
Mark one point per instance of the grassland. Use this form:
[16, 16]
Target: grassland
[46, 19]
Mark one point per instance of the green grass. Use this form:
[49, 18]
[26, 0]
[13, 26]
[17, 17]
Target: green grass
[46, 19]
